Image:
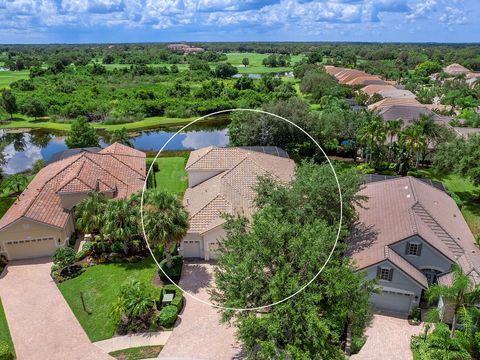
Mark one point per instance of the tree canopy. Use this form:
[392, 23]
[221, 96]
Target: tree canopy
[82, 134]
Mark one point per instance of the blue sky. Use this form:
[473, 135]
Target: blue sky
[83, 21]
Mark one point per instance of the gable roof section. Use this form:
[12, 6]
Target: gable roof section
[400, 208]
[232, 189]
[393, 101]
[113, 168]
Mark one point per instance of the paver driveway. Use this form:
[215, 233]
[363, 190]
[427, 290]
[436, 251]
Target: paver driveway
[41, 322]
[388, 338]
[199, 334]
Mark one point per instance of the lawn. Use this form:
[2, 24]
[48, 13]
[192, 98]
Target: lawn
[7, 77]
[4, 331]
[21, 122]
[465, 191]
[171, 175]
[255, 66]
[137, 353]
[100, 286]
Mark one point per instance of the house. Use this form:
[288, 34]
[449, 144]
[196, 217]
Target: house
[375, 88]
[408, 236]
[353, 76]
[42, 218]
[455, 69]
[221, 181]
[393, 101]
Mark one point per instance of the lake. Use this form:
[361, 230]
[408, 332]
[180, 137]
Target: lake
[24, 148]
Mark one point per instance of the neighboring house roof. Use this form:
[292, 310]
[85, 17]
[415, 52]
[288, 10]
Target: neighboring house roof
[397, 93]
[455, 69]
[359, 80]
[117, 168]
[393, 101]
[69, 152]
[400, 208]
[405, 112]
[372, 89]
[231, 190]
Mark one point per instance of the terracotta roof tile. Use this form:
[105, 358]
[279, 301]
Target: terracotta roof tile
[232, 189]
[111, 168]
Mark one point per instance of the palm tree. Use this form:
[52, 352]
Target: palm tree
[121, 222]
[461, 293]
[415, 141]
[121, 136]
[135, 301]
[393, 127]
[439, 345]
[470, 334]
[372, 134]
[90, 213]
[165, 220]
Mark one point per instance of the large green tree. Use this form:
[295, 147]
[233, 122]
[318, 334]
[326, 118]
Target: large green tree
[121, 136]
[280, 250]
[82, 134]
[9, 102]
[460, 156]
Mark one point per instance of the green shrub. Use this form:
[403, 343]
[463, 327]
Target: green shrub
[159, 252]
[457, 200]
[178, 295]
[174, 272]
[86, 250]
[357, 344]
[167, 316]
[5, 351]
[64, 256]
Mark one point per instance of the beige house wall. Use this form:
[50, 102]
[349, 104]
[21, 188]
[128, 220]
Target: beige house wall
[208, 242]
[25, 229]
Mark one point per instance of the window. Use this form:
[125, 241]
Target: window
[413, 248]
[385, 273]
[431, 275]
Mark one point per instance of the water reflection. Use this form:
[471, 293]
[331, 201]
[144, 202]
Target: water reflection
[23, 149]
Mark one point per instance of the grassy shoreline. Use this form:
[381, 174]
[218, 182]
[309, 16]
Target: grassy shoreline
[147, 123]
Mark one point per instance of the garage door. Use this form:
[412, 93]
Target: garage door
[191, 248]
[24, 249]
[392, 301]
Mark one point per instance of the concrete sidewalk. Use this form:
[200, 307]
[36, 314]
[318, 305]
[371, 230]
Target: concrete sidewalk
[135, 340]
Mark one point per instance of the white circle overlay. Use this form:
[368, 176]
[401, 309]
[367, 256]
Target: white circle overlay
[339, 224]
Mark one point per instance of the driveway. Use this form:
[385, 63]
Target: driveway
[40, 321]
[388, 338]
[199, 335]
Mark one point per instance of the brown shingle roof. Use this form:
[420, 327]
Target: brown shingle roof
[116, 167]
[403, 207]
[372, 89]
[456, 69]
[232, 189]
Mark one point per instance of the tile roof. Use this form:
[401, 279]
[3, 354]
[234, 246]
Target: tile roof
[231, 190]
[115, 168]
[400, 208]
[372, 89]
[456, 69]
[393, 101]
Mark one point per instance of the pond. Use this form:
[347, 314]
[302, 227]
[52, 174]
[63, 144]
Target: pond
[25, 148]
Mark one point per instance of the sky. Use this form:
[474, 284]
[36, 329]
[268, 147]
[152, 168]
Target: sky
[117, 21]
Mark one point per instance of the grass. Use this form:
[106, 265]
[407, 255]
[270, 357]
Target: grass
[137, 353]
[5, 203]
[100, 286]
[7, 77]
[171, 175]
[21, 122]
[4, 331]
[255, 66]
[465, 191]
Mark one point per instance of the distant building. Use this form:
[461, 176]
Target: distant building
[186, 49]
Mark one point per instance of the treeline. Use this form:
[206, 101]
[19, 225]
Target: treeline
[129, 94]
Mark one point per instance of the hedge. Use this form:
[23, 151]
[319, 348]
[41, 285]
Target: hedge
[167, 316]
[178, 295]
[174, 272]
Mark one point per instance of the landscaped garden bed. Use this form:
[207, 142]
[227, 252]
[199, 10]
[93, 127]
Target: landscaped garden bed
[137, 353]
